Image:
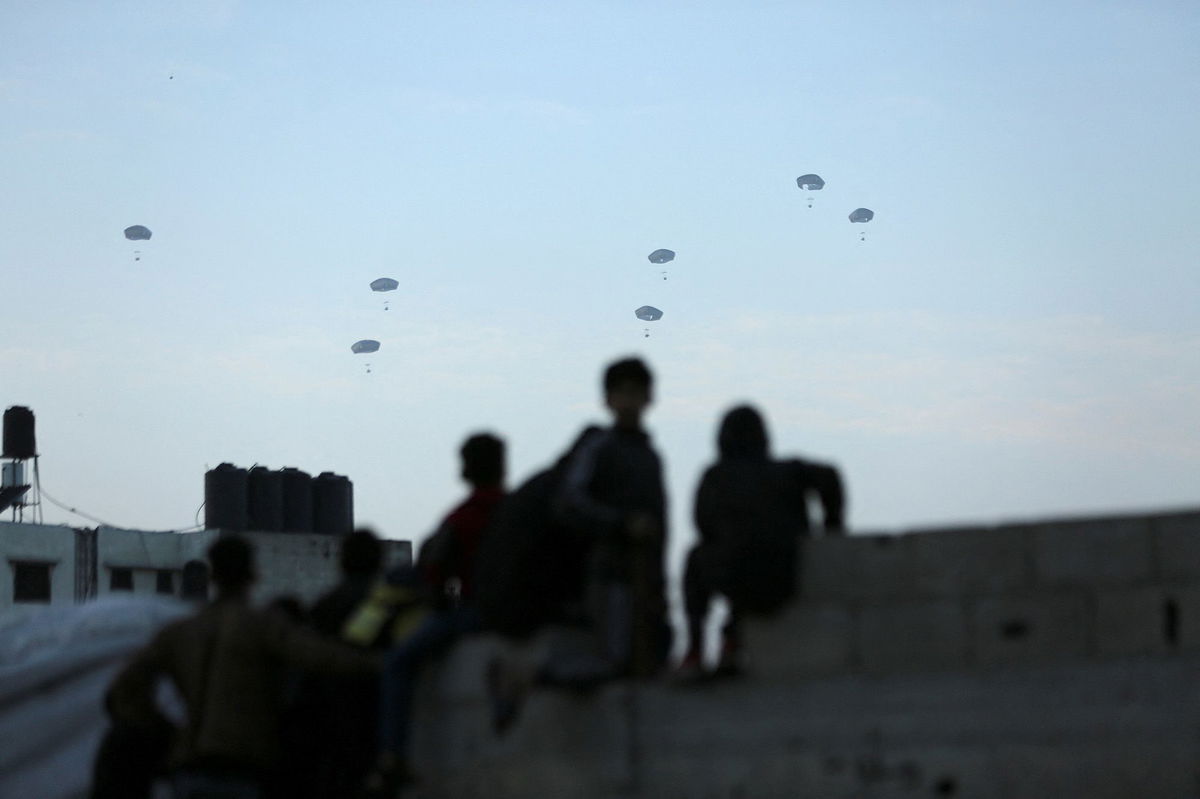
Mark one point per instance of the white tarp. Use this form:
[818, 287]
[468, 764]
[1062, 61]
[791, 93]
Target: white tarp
[55, 664]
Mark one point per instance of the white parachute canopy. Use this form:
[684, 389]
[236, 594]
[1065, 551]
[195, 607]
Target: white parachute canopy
[55, 665]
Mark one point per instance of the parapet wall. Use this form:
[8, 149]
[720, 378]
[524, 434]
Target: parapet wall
[1027, 593]
[1053, 659]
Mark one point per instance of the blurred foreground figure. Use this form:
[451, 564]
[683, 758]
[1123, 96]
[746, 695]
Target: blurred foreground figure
[329, 737]
[446, 568]
[228, 662]
[750, 511]
[607, 498]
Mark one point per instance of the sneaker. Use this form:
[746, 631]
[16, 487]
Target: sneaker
[689, 671]
[731, 663]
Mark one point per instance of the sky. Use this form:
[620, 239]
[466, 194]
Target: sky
[1015, 339]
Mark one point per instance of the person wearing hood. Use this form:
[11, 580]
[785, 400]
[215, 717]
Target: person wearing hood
[751, 510]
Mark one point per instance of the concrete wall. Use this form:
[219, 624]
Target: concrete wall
[39, 543]
[1052, 659]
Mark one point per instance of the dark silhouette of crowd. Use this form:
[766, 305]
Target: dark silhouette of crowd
[286, 701]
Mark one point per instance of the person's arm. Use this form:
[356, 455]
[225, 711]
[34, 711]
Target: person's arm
[305, 649]
[704, 512]
[826, 481]
[131, 696]
[573, 503]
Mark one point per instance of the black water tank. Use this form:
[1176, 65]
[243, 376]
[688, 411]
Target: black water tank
[18, 433]
[333, 504]
[225, 498]
[264, 499]
[297, 501]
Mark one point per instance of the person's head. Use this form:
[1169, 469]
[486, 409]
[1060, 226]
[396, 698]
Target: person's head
[628, 390]
[195, 580]
[743, 434]
[483, 460]
[232, 560]
[362, 554]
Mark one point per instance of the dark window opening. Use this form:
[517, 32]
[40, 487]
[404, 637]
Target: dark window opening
[121, 580]
[166, 582]
[31, 582]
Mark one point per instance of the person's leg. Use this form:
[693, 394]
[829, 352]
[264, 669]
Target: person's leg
[400, 670]
[697, 595]
[730, 660]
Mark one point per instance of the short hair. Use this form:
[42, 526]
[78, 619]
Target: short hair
[362, 553]
[232, 561]
[483, 459]
[195, 580]
[627, 370]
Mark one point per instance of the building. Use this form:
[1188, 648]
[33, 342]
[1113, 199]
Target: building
[61, 565]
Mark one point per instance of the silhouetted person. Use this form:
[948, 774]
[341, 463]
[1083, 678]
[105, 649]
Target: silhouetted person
[131, 756]
[446, 566]
[194, 585]
[228, 663]
[361, 561]
[612, 496]
[750, 512]
[330, 741]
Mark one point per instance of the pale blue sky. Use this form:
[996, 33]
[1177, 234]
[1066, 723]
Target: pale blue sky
[1016, 338]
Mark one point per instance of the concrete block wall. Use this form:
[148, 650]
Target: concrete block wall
[1022, 660]
[1029, 592]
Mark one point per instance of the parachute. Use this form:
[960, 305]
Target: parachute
[648, 313]
[862, 215]
[662, 257]
[138, 233]
[810, 183]
[364, 346]
[384, 284]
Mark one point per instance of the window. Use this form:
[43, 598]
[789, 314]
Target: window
[31, 581]
[121, 580]
[166, 582]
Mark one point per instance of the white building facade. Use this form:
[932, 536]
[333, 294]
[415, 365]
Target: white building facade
[46, 564]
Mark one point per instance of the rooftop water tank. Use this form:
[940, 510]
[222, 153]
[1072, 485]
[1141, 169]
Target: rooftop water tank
[333, 504]
[18, 433]
[297, 501]
[225, 498]
[264, 499]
